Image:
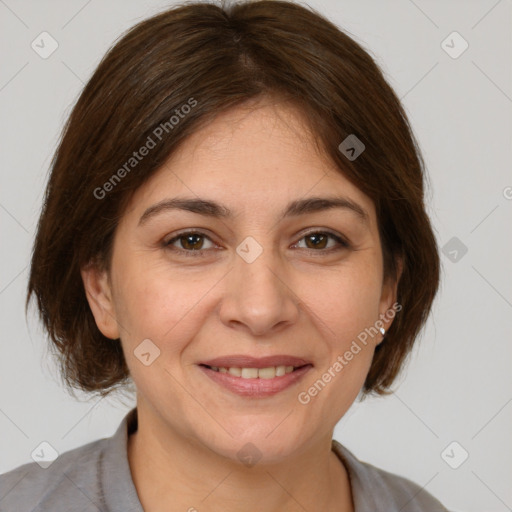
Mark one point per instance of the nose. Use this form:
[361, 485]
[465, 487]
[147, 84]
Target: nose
[258, 298]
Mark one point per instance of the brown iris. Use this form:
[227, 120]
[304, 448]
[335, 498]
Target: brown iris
[319, 240]
[191, 241]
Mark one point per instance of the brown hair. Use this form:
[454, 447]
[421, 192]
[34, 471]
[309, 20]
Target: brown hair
[213, 58]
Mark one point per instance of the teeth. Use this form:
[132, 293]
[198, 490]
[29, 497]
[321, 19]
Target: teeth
[255, 373]
[268, 373]
[249, 373]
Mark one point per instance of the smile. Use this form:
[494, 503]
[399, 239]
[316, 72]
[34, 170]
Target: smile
[256, 382]
[256, 373]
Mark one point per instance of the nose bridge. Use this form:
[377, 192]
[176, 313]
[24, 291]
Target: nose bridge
[257, 295]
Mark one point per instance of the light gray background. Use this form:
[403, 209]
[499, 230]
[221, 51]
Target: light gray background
[457, 386]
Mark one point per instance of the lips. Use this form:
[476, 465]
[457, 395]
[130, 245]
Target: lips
[255, 387]
[256, 377]
[242, 361]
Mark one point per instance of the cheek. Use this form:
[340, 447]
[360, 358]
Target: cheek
[157, 303]
[346, 311]
[347, 302]
[345, 306]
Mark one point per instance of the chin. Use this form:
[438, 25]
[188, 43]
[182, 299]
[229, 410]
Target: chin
[252, 442]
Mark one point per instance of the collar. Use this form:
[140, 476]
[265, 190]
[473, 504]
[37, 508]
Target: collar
[119, 490]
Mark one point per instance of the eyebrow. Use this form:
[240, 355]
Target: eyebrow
[213, 209]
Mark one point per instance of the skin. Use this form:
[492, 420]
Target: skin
[296, 298]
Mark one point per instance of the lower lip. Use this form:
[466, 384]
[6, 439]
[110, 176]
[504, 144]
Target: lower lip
[256, 388]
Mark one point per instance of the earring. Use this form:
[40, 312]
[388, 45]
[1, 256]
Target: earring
[382, 331]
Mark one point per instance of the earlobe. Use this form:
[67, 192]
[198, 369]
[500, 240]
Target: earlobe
[99, 296]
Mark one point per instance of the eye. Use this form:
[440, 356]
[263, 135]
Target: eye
[319, 240]
[190, 242]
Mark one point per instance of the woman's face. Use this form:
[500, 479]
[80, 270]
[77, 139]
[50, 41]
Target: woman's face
[275, 276]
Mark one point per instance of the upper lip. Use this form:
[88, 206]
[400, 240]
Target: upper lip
[242, 361]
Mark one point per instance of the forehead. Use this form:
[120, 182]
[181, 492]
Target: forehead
[250, 158]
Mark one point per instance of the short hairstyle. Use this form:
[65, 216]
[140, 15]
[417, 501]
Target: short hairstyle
[162, 81]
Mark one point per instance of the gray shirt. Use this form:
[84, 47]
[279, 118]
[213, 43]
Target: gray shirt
[96, 477]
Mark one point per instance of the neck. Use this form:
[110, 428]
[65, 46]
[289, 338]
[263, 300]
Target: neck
[174, 472]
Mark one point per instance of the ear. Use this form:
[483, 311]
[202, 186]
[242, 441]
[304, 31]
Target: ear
[98, 291]
[389, 295]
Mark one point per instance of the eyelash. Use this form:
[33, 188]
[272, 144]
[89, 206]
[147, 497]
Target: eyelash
[343, 244]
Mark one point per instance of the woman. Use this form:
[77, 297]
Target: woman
[235, 221]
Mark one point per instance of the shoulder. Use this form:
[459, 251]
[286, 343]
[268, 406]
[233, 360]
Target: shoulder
[71, 482]
[376, 490]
